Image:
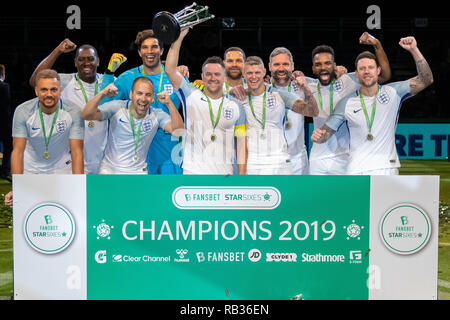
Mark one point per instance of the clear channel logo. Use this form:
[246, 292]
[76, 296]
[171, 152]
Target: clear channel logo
[49, 228]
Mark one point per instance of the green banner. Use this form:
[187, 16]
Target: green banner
[227, 237]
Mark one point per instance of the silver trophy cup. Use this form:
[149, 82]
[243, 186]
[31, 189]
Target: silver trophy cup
[167, 26]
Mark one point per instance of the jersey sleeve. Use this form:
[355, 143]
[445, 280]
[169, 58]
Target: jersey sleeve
[288, 98]
[65, 79]
[403, 89]
[338, 117]
[110, 108]
[186, 89]
[77, 128]
[239, 126]
[351, 77]
[19, 129]
[242, 115]
[162, 117]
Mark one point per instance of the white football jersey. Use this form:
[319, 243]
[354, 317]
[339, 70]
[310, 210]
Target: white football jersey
[226, 88]
[95, 132]
[339, 142]
[201, 154]
[68, 125]
[120, 147]
[379, 153]
[268, 146]
[295, 132]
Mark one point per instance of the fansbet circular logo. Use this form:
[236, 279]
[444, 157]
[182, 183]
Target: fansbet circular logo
[49, 228]
[405, 229]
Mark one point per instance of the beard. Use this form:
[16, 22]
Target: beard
[234, 76]
[282, 76]
[325, 78]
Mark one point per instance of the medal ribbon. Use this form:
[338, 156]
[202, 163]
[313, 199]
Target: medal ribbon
[47, 140]
[137, 136]
[228, 88]
[211, 114]
[374, 107]
[263, 120]
[155, 102]
[84, 91]
[331, 95]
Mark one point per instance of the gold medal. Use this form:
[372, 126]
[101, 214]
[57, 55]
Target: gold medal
[213, 137]
[91, 124]
[46, 155]
[288, 125]
[370, 137]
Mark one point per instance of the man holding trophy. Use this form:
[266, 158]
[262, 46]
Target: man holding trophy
[212, 119]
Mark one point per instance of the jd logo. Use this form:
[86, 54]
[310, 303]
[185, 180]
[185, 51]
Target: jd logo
[254, 255]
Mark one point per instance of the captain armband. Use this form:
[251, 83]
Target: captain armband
[239, 131]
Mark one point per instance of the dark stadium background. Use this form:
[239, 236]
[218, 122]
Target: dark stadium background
[29, 32]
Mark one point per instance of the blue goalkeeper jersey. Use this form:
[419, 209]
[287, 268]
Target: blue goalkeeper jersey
[164, 153]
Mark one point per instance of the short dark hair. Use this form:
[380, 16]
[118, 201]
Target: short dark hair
[368, 55]
[85, 46]
[145, 79]
[2, 70]
[143, 35]
[234, 49]
[214, 59]
[323, 48]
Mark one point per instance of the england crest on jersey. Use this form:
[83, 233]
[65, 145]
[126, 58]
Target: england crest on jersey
[147, 125]
[61, 126]
[168, 88]
[338, 85]
[383, 97]
[228, 113]
[271, 102]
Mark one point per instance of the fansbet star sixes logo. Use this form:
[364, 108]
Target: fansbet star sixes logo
[405, 229]
[49, 228]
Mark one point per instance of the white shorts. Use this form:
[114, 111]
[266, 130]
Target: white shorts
[284, 169]
[336, 165]
[299, 163]
[380, 172]
[105, 169]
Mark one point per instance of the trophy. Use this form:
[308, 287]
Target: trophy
[167, 26]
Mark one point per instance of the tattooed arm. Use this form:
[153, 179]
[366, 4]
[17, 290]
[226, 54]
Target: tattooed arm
[333, 123]
[425, 76]
[321, 135]
[307, 107]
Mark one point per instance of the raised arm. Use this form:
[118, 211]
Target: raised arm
[307, 107]
[90, 110]
[382, 58]
[172, 58]
[424, 76]
[176, 123]
[64, 47]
